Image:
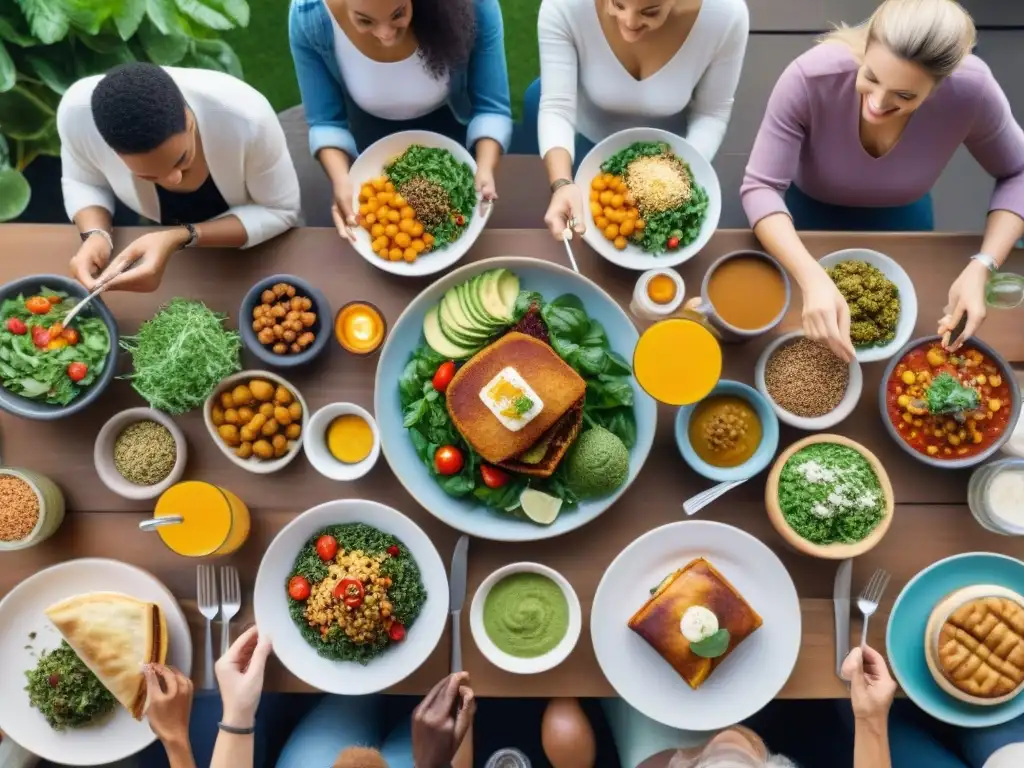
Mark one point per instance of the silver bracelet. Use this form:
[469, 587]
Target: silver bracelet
[987, 260]
[102, 233]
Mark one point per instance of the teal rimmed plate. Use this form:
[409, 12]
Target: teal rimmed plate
[905, 635]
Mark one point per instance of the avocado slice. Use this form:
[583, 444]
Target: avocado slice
[535, 453]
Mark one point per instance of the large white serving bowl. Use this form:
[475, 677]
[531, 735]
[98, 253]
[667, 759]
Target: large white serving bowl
[22, 613]
[370, 164]
[633, 257]
[468, 516]
[270, 601]
[908, 298]
[749, 678]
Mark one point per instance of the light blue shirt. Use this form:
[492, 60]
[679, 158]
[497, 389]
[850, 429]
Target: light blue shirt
[477, 94]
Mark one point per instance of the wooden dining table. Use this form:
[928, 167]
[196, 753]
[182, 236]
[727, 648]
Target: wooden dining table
[931, 521]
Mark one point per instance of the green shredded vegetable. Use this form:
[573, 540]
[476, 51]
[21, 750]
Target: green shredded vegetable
[65, 691]
[441, 167]
[181, 355]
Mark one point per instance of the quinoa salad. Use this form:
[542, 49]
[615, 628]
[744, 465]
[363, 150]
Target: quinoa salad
[806, 378]
[19, 509]
[354, 591]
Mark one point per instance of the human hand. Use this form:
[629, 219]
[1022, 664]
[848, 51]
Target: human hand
[872, 688]
[170, 703]
[966, 294]
[90, 259]
[441, 721]
[341, 209]
[240, 677]
[826, 316]
[566, 204]
[150, 254]
[484, 182]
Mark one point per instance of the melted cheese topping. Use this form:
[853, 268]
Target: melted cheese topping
[698, 623]
[512, 401]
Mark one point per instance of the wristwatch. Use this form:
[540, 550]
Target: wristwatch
[102, 233]
[987, 260]
[193, 236]
[557, 184]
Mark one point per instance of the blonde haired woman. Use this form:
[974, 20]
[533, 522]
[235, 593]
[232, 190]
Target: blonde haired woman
[857, 131]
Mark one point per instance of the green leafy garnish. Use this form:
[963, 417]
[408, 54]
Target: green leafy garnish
[522, 404]
[654, 590]
[947, 395]
[181, 355]
[65, 691]
[713, 646]
[442, 168]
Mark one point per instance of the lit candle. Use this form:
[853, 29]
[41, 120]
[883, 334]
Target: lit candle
[360, 328]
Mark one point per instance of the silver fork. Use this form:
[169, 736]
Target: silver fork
[230, 603]
[206, 586]
[870, 598]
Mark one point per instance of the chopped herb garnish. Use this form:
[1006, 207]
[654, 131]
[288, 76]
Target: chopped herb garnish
[522, 404]
[66, 691]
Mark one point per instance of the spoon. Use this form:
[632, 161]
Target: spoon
[158, 522]
[695, 504]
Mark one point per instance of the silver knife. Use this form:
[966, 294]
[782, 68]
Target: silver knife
[457, 596]
[841, 601]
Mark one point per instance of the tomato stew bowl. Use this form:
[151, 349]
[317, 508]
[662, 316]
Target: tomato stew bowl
[35, 409]
[960, 445]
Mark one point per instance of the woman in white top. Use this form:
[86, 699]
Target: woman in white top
[607, 65]
[197, 151]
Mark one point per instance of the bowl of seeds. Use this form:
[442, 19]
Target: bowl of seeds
[140, 453]
[31, 508]
[807, 386]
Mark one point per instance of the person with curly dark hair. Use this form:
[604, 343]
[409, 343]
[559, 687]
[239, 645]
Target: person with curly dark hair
[371, 68]
[199, 152]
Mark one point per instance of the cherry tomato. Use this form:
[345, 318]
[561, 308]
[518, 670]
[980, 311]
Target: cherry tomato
[326, 547]
[493, 477]
[56, 330]
[77, 371]
[37, 305]
[460, 219]
[397, 632]
[57, 343]
[673, 242]
[350, 592]
[448, 460]
[71, 336]
[17, 326]
[443, 376]
[298, 588]
[40, 336]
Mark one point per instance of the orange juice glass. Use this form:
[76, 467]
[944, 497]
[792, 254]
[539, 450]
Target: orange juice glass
[216, 521]
[677, 361]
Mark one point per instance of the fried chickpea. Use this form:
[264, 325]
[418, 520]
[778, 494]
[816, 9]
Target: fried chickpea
[308, 319]
[265, 336]
[391, 230]
[417, 229]
[599, 184]
[402, 240]
[263, 449]
[606, 197]
[247, 435]
[295, 348]
[428, 238]
[229, 434]
[611, 231]
[267, 410]
[270, 428]
[293, 431]
[280, 445]
[601, 222]
[282, 396]
[395, 254]
[995, 404]
[279, 348]
[908, 377]
[245, 414]
[417, 245]
[261, 390]
[244, 451]
[410, 254]
[295, 410]
[217, 415]
[289, 336]
[406, 225]
[626, 228]
[257, 421]
[995, 380]
[231, 416]
[282, 416]
[620, 242]
[226, 401]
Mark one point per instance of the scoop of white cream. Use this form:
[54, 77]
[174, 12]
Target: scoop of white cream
[698, 623]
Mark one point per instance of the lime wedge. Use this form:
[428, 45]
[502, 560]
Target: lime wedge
[540, 507]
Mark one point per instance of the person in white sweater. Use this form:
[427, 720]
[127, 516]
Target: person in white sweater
[607, 65]
[199, 152]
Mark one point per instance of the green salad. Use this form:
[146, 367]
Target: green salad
[348, 621]
[439, 187]
[597, 463]
[672, 204]
[66, 691]
[830, 494]
[39, 358]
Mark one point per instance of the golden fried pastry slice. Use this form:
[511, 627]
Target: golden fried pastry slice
[981, 647]
[696, 584]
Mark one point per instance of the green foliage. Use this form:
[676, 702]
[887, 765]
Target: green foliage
[46, 45]
[947, 395]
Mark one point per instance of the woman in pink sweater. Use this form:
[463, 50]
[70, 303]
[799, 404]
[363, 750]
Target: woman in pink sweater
[857, 131]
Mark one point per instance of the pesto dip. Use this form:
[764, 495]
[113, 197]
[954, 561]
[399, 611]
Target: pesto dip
[526, 615]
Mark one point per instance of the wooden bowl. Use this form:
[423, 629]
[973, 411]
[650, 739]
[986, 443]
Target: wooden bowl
[827, 551]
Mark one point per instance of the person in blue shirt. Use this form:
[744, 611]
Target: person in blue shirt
[371, 68]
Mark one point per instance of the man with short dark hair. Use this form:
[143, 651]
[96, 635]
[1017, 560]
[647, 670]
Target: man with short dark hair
[197, 151]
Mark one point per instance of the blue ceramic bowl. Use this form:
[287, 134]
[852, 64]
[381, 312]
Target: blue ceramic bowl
[551, 280]
[765, 450]
[40, 411]
[322, 328]
[905, 636]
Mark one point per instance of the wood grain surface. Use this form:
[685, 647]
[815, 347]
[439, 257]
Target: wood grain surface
[931, 520]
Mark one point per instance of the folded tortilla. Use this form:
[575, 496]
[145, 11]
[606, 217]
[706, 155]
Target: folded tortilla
[114, 635]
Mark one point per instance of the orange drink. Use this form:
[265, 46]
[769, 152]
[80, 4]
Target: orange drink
[216, 521]
[677, 361]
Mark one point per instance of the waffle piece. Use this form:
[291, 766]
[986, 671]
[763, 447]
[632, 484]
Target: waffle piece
[981, 647]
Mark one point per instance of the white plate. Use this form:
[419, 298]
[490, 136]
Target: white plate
[908, 298]
[22, 612]
[345, 677]
[633, 257]
[753, 674]
[370, 164]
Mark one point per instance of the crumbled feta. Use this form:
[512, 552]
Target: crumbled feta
[814, 472]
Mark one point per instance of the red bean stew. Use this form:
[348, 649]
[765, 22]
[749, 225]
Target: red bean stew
[945, 436]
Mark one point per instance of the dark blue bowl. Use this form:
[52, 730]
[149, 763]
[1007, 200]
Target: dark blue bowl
[322, 328]
[33, 409]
